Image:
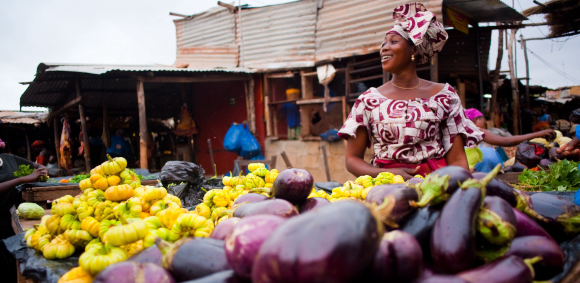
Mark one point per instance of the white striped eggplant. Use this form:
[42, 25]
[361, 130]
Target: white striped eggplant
[278, 207]
[496, 221]
[224, 228]
[332, 244]
[250, 197]
[192, 258]
[420, 224]
[393, 203]
[441, 183]
[398, 259]
[442, 279]
[511, 269]
[227, 276]
[498, 188]
[563, 215]
[552, 261]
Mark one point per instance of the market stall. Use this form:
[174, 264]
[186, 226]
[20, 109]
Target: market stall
[112, 228]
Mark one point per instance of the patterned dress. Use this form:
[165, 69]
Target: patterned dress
[411, 131]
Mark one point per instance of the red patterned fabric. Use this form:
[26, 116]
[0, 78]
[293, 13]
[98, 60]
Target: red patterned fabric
[414, 22]
[411, 131]
[424, 168]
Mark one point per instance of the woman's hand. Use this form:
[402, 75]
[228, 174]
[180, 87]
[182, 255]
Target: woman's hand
[406, 173]
[571, 149]
[547, 134]
[34, 175]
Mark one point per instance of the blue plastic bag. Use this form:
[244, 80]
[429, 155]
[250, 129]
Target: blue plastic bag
[250, 146]
[233, 138]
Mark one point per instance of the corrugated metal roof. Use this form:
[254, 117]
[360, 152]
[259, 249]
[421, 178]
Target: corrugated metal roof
[207, 40]
[485, 11]
[357, 27]
[98, 69]
[278, 36]
[17, 117]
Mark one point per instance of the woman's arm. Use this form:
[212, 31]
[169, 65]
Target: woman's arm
[354, 158]
[456, 155]
[513, 140]
[8, 185]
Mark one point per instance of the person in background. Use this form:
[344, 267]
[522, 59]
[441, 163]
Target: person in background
[119, 146]
[527, 118]
[292, 113]
[10, 196]
[489, 154]
[543, 122]
[42, 154]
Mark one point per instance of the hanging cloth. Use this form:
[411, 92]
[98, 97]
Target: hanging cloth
[186, 126]
[325, 75]
[65, 146]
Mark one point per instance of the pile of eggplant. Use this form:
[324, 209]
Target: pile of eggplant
[453, 226]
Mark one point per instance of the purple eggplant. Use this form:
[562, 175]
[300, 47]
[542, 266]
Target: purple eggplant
[496, 221]
[224, 228]
[442, 279]
[293, 185]
[526, 205]
[332, 244]
[227, 276]
[511, 269]
[545, 163]
[498, 188]
[313, 203]
[552, 261]
[130, 271]
[554, 156]
[563, 215]
[441, 184]
[393, 203]
[453, 241]
[420, 224]
[528, 227]
[243, 243]
[150, 255]
[192, 258]
[399, 258]
[250, 197]
[415, 181]
[278, 207]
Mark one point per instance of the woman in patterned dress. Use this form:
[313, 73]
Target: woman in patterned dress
[415, 126]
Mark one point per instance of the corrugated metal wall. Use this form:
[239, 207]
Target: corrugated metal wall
[278, 36]
[207, 40]
[356, 27]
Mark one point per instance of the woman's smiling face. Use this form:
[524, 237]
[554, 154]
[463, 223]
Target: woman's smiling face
[396, 53]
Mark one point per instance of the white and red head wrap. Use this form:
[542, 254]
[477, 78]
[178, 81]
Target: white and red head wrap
[413, 22]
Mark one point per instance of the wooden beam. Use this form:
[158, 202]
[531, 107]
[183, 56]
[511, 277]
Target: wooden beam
[305, 111]
[344, 115]
[434, 68]
[251, 106]
[279, 75]
[28, 153]
[318, 100]
[142, 126]
[527, 78]
[67, 105]
[221, 78]
[86, 145]
[56, 141]
[514, 84]
[495, 80]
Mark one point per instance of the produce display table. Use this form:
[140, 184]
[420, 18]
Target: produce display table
[19, 224]
[510, 177]
[50, 191]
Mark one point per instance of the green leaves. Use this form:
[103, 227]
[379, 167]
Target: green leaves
[78, 178]
[23, 170]
[563, 176]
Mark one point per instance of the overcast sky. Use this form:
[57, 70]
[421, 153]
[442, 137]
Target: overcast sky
[142, 32]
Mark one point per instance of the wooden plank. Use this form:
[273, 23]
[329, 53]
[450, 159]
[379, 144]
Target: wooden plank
[67, 105]
[362, 70]
[510, 178]
[367, 78]
[286, 160]
[307, 94]
[251, 106]
[325, 158]
[142, 126]
[267, 116]
[279, 75]
[86, 146]
[52, 195]
[282, 102]
[514, 84]
[56, 141]
[344, 115]
[216, 78]
[319, 100]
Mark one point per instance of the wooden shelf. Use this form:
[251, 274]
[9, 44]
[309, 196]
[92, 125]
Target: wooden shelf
[367, 78]
[281, 102]
[318, 100]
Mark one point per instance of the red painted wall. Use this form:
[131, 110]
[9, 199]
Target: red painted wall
[259, 106]
[214, 115]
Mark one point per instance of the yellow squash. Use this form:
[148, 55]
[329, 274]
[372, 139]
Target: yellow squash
[144, 215]
[85, 210]
[95, 197]
[215, 214]
[76, 275]
[162, 233]
[169, 216]
[129, 178]
[172, 198]
[262, 172]
[96, 259]
[58, 248]
[99, 182]
[134, 248]
[79, 238]
[53, 225]
[253, 166]
[114, 165]
[152, 193]
[94, 243]
[128, 209]
[105, 226]
[62, 208]
[70, 222]
[191, 224]
[104, 210]
[119, 193]
[98, 170]
[160, 205]
[113, 180]
[86, 184]
[203, 210]
[153, 222]
[126, 234]
[91, 225]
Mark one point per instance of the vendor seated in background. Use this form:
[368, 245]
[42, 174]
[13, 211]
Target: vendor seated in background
[42, 154]
[417, 126]
[490, 156]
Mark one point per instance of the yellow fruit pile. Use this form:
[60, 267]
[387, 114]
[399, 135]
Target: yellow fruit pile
[217, 201]
[114, 218]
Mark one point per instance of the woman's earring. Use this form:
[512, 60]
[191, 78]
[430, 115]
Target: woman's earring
[412, 57]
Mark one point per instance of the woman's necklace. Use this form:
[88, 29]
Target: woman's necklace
[406, 87]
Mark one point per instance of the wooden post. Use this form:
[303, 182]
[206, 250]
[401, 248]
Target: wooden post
[142, 126]
[267, 112]
[323, 147]
[251, 106]
[495, 80]
[56, 141]
[434, 69]
[514, 83]
[28, 153]
[460, 90]
[86, 146]
[523, 42]
[344, 115]
[305, 109]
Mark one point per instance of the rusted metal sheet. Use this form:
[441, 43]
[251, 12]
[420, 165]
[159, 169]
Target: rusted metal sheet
[17, 117]
[278, 36]
[207, 40]
[356, 27]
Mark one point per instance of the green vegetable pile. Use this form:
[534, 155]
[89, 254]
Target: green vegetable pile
[563, 176]
[25, 170]
[78, 178]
